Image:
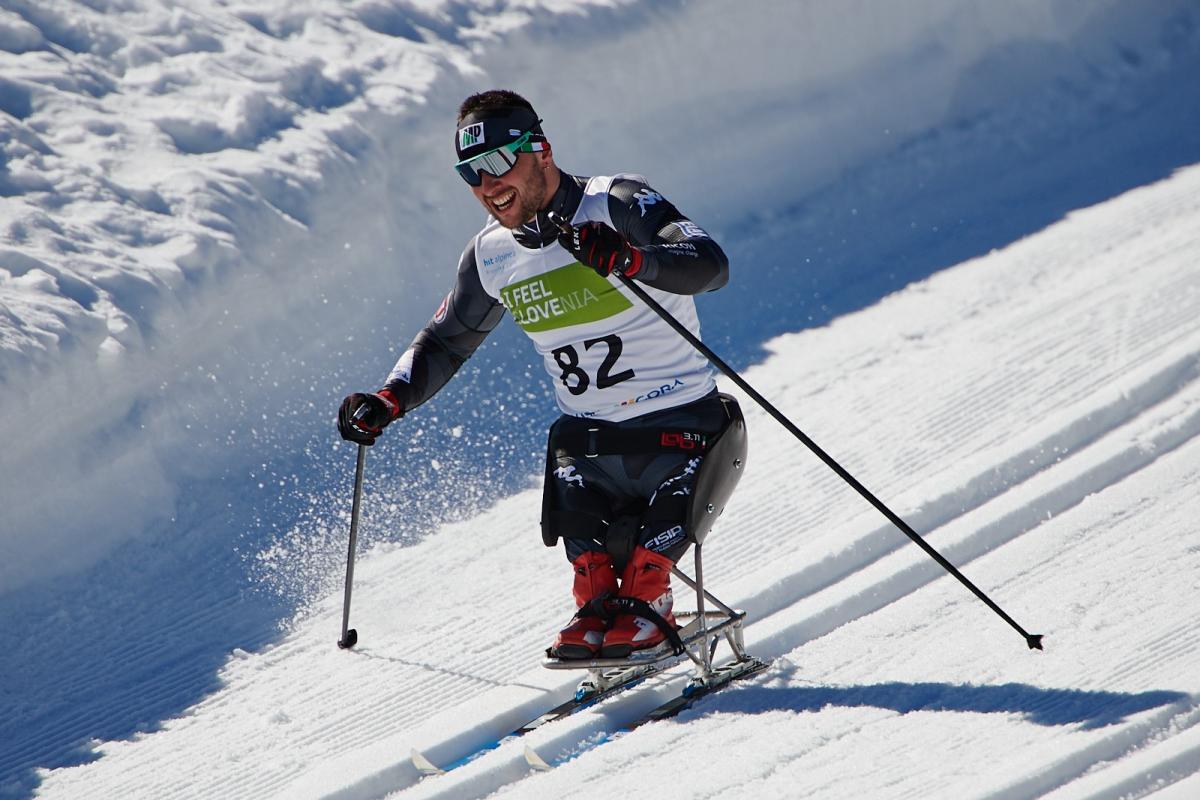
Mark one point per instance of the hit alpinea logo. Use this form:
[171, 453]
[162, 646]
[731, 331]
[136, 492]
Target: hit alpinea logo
[470, 136]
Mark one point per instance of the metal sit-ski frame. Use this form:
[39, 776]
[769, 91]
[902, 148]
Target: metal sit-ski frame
[701, 630]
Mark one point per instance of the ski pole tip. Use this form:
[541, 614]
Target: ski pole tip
[350, 639]
[1034, 640]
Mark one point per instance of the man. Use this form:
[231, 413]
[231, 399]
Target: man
[638, 402]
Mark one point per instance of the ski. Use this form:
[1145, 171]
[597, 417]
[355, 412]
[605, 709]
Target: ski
[594, 689]
[697, 688]
[696, 640]
[721, 677]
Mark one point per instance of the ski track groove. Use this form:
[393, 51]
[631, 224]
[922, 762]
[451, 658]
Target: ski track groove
[1148, 779]
[1172, 721]
[392, 710]
[151, 695]
[1019, 468]
[347, 730]
[844, 733]
[1185, 639]
[959, 424]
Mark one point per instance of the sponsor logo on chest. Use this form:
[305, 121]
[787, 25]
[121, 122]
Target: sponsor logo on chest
[654, 394]
[493, 263]
[570, 295]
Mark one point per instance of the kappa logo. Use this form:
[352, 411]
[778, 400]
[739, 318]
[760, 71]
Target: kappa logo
[567, 475]
[470, 136]
[646, 198]
[681, 478]
[403, 369]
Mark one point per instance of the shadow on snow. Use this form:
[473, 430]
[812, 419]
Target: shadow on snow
[1041, 706]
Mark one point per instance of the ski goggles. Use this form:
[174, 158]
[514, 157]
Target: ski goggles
[498, 161]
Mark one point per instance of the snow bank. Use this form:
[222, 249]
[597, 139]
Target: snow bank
[196, 196]
[219, 218]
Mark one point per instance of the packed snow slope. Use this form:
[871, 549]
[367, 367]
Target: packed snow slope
[217, 218]
[1035, 411]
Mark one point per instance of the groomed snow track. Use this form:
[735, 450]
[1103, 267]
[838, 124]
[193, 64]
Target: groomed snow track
[1008, 409]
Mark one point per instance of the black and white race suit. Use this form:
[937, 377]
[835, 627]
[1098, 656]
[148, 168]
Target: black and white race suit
[610, 357]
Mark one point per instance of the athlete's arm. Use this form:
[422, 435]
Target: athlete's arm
[677, 255]
[462, 322]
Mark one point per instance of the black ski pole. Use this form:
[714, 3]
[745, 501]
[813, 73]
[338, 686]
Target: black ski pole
[350, 635]
[1033, 640]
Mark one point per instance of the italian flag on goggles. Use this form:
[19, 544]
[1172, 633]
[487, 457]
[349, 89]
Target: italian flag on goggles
[499, 161]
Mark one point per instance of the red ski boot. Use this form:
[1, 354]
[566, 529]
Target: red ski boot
[594, 576]
[647, 577]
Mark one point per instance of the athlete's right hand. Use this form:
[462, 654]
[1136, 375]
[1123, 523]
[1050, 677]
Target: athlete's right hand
[362, 417]
[598, 246]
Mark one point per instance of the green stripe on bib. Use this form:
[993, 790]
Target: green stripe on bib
[570, 295]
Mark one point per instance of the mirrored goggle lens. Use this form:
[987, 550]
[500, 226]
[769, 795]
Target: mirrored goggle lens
[495, 163]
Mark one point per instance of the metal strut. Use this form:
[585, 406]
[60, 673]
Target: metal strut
[705, 653]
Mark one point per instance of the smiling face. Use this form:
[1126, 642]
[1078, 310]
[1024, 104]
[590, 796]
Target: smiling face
[516, 196]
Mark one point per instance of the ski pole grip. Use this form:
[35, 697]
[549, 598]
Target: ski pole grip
[560, 222]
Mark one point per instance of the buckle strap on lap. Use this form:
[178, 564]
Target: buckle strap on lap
[603, 441]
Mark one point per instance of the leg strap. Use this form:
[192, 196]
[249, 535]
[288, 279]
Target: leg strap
[608, 606]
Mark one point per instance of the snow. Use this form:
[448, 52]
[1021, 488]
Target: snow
[979, 224]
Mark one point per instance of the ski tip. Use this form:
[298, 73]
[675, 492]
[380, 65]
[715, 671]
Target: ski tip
[1034, 640]
[536, 761]
[423, 764]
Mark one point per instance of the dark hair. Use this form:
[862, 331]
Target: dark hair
[493, 98]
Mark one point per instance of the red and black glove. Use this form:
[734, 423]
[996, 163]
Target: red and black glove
[600, 247]
[363, 417]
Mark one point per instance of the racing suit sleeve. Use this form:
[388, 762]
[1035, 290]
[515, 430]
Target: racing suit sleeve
[677, 255]
[463, 320]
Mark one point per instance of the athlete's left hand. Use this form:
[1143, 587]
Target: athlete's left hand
[600, 247]
[362, 417]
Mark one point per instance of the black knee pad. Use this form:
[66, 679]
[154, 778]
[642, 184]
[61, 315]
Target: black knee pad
[719, 473]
